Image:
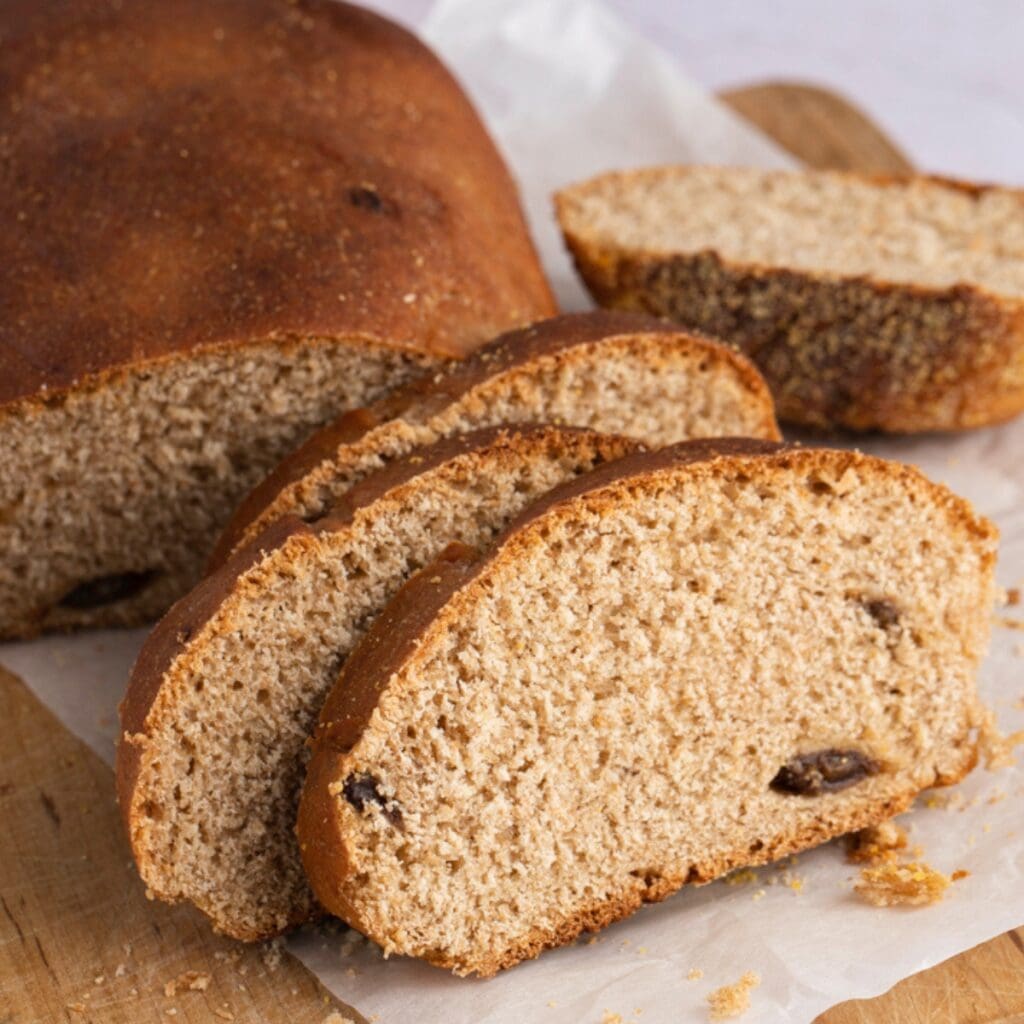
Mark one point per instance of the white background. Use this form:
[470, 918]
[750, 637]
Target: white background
[944, 78]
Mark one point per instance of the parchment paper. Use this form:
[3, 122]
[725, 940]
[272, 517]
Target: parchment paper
[569, 91]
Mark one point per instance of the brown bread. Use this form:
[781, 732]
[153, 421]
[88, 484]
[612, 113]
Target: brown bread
[221, 223]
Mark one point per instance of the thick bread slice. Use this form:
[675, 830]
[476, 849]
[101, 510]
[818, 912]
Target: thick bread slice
[227, 688]
[222, 222]
[868, 303]
[622, 373]
[683, 662]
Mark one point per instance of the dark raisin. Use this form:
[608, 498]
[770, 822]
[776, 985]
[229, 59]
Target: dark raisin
[108, 589]
[884, 612]
[364, 789]
[823, 771]
[366, 198]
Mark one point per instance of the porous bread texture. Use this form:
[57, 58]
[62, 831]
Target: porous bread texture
[594, 714]
[227, 689]
[868, 303]
[137, 475]
[618, 374]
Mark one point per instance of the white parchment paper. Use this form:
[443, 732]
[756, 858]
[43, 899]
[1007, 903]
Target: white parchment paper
[568, 91]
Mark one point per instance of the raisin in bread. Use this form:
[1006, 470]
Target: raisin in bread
[683, 662]
[227, 688]
[868, 303]
[622, 373]
[221, 223]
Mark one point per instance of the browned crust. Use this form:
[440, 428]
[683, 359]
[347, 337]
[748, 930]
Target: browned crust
[181, 177]
[432, 391]
[420, 611]
[837, 351]
[177, 630]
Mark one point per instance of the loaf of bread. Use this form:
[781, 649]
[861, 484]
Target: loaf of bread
[685, 661]
[621, 373]
[221, 223]
[868, 303]
[227, 688]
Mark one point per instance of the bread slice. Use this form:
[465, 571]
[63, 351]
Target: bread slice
[221, 224]
[228, 686]
[867, 303]
[683, 662]
[622, 373]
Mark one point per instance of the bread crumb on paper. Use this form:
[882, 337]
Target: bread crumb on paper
[695, 974]
[879, 844]
[910, 885]
[336, 1018]
[733, 1000]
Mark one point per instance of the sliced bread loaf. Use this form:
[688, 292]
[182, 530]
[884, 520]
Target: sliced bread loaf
[868, 303]
[221, 223]
[227, 688]
[688, 660]
[622, 373]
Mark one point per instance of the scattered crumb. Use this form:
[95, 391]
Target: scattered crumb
[795, 883]
[271, 954]
[741, 877]
[611, 1018]
[99, 979]
[958, 874]
[351, 972]
[336, 1018]
[695, 974]
[998, 749]
[76, 1007]
[879, 844]
[1013, 596]
[889, 885]
[1007, 623]
[733, 1000]
[171, 1012]
[190, 981]
[552, 1003]
[120, 970]
[224, 1014]
[759, 895]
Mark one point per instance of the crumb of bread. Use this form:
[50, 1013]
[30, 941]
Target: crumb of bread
[611, 1018]
[695, 974]
[997, 748]
[740, 877]
[120, 970]
[912, 885]
[271, 953]
[194, 981]
[1008, 623]
[879, 844]
[958, 874]
[336, 1018]
[224, 1014]
[1013, 596]
[76, 1007]
[733, 1000]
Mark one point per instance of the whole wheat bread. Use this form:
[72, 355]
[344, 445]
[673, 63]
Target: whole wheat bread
[683, 662]
[227, 688]
[868, 303]
[621, 373]
[221, 223]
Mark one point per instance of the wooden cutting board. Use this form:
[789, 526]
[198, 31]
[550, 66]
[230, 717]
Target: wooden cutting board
[79, 941]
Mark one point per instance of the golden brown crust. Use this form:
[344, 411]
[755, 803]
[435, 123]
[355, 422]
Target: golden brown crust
[209, 173]
[432, 391]
[853, 352]
[421, 611]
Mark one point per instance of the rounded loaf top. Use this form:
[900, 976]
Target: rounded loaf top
[214, 172]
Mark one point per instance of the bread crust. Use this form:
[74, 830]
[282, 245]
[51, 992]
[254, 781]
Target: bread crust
[183, 625]
[431, 392]
[206, 175]
[857, 352]
[429, 604]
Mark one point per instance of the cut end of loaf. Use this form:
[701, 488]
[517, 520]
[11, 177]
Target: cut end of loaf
[702, 665]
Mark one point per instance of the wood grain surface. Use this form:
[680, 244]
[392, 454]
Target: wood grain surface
[79, 941]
